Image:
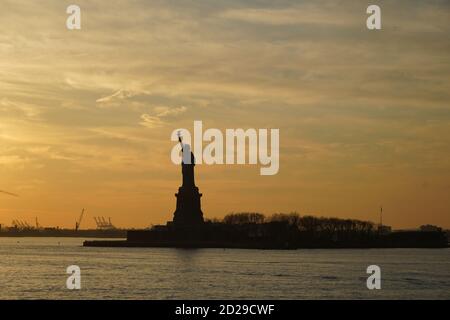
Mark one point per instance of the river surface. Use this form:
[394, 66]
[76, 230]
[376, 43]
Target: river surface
[35, 268]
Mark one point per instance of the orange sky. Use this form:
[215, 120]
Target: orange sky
[363, 115]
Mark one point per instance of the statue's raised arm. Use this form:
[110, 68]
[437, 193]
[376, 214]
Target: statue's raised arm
[180, 138]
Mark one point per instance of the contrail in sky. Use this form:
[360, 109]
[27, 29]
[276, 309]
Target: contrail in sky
[9, 193]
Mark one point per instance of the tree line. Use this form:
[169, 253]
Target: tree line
[309, 224]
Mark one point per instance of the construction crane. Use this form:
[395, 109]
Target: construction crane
[104, 224]
[78, 223]
[21, 224]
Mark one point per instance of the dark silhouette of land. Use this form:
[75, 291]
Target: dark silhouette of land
[279, 231]
[254, 231]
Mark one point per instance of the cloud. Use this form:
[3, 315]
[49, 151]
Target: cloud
[13, 160]
[28, 110]
[289, 16]
[121, 94]
[166, 111]
[154, 121]
[151, 121]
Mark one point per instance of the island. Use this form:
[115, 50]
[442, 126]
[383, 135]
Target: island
[188, 229]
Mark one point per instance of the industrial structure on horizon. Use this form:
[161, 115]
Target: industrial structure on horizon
[22, 228]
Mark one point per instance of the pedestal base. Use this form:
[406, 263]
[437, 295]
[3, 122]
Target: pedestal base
[188, 211]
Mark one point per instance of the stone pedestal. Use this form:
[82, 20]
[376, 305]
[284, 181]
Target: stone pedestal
[188, 211]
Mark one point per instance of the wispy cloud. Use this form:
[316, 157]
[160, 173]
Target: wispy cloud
[163, 111]
[151, 121]
[296, 15]
[121, 94]
[160, 113]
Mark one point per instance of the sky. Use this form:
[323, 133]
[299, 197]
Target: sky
[86, 115]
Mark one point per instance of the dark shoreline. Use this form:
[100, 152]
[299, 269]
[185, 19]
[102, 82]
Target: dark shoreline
[227, 237]
[65, 233]
[229, 245]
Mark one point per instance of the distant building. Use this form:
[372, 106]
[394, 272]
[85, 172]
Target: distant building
[429, 227]
[384, 229]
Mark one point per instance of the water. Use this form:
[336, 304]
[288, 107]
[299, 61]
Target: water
[35, 268]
